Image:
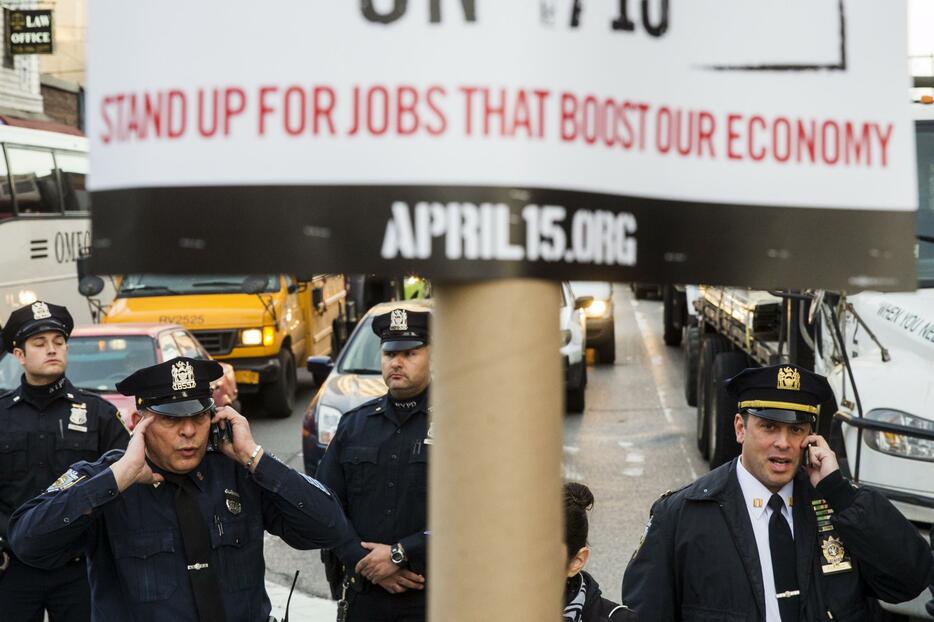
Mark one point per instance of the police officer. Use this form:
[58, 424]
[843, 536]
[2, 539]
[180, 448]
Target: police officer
[377, 463]
[173, 530]
[45, 425]
[778, 533]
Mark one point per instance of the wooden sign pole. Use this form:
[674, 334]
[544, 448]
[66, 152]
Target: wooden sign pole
[496, 546]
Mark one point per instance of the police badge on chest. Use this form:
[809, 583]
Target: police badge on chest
[78, 418]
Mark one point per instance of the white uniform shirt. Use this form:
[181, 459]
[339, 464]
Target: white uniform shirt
[757, 504]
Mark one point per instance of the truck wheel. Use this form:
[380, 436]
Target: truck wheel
[671, 316]
[691, 345]
[721, 436]
[279, 396]
[710, 346]
[606, 351]
[575, 397]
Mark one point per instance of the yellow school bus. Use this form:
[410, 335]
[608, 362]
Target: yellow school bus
[264, 325]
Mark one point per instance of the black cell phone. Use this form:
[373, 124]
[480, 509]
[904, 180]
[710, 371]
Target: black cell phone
[807, 454]
[221, 432]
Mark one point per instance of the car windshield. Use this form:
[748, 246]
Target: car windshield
[362, 353]
[140, 285]
[99, 363]
[10, 372]
[925, 143]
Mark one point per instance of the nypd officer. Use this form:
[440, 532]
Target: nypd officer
[173, 530]
[778, 533]
[46, 424]
[377, 465]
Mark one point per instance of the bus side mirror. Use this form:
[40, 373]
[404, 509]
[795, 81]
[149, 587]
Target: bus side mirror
[317, 297]
[90, 285]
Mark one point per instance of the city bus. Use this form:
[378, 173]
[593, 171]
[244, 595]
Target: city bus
[45, 222]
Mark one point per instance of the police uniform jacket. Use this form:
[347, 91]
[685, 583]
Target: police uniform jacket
[43, 430]
[136, 559]
[699, 561]
[377, 464]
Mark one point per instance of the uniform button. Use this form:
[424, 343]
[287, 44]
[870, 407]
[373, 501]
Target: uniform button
[42, 464]
[395, 457]
[389, 511]
[398, 431]
[236, 540]
[391, 484]
[111, 492]
[42, 436]
[66, 519]
[301, 504]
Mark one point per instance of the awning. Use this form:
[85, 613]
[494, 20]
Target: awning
[36, 124]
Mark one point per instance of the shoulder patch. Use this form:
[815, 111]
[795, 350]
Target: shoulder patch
[317, 484]
[68, 479]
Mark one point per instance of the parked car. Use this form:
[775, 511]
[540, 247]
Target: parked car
[10, 372]
[574, 346]
[601, 329]
[100, 356]
[354, 378]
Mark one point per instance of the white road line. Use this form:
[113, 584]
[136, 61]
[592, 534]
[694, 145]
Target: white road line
[657, 360]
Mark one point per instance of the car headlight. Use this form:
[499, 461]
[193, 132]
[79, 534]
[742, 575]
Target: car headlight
[565, 337]
[328, 418]
[899, 444]
[265, 336]
[597, 308]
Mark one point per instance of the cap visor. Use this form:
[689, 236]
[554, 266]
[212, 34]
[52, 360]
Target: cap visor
[781, 415]
[185, 408]
[45, 326]
[402, 345]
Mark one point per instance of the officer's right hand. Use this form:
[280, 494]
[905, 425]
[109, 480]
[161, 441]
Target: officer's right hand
[402, 581]
[132, 468]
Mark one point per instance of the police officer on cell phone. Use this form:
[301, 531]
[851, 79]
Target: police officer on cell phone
[377, 464]
[773, 536]
[46, 424]
[172, 528]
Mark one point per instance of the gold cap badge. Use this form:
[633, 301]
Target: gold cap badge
[789, 379]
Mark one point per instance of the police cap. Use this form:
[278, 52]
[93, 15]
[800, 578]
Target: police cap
[39, 317]
[180, 387]
[402, 329]
[783, 393]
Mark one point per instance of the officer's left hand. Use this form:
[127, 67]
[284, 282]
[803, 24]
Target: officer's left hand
[377, 566]
[243, 444]
[823, 460]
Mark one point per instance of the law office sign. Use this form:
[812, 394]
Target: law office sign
[29, 32]
[730, 141]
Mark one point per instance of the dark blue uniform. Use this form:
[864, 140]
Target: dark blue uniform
[377, 464]
[136, 559]
[43, 430]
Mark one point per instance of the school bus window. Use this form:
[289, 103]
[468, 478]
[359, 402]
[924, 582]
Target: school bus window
[34, 181]
[73, 168]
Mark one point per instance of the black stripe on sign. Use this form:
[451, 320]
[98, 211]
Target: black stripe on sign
[465, 233]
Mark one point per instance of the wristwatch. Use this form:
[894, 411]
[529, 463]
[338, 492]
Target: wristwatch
[397, 554]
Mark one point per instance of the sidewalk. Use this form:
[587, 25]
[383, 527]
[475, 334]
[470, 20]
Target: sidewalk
[304, 608]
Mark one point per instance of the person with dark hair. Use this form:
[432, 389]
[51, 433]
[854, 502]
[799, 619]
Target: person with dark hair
[583, 601]
[778, 534]
[46, 424]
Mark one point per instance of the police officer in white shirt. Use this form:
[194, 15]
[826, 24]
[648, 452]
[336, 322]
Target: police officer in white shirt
[776, 535]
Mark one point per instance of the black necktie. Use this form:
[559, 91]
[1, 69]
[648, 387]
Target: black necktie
[197, 542]
[784, 563]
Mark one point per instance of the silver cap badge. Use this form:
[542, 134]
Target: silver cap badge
[183, 376]
[399, 320]
[40, 311]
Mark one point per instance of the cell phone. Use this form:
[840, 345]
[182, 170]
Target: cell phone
[807, 454]
[220, 435]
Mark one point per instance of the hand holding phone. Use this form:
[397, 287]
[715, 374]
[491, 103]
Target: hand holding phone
[234, 437]
[819, 459]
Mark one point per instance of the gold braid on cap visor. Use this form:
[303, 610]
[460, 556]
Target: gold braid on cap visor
[783, 405]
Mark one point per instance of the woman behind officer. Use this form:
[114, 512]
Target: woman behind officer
[583, 601]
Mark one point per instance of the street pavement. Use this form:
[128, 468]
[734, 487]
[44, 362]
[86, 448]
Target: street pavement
[634, 441]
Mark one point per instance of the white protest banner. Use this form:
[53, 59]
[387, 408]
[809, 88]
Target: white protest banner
[731, 141]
